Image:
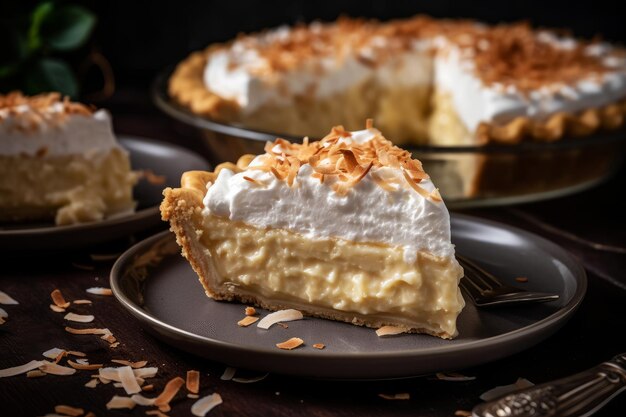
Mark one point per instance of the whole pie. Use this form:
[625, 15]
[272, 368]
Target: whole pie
[347, 228]
[442, 82]
[60, 161]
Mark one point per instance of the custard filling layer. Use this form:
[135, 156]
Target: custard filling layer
[366, 279]
[71, 189]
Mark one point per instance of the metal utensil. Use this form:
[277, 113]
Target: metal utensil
[487, 290]
[578, 395]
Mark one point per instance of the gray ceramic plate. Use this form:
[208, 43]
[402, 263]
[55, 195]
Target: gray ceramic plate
[162, 158]
[157, 286]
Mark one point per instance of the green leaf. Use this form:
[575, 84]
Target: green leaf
[50, 74]
[67, 27]
[40, 13]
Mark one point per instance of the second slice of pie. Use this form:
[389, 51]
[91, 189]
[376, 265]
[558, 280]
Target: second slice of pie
[348, 228]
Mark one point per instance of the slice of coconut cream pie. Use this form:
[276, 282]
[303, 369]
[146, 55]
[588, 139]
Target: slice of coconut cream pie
[348, 228]
[60, 160]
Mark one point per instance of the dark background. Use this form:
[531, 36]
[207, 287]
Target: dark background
[140, 37]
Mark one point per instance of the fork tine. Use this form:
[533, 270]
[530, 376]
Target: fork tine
[480, 273]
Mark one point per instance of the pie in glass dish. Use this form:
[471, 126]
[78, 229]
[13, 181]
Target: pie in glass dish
[348, 228]
[424, 81]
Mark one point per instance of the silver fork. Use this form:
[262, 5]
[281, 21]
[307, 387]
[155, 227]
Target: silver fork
[487, 290]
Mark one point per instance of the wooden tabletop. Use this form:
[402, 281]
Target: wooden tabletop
[590, 225]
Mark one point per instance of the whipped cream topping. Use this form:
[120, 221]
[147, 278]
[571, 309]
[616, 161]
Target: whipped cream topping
[50, 131]
[240, 73]
[367, 213]
[475, 102]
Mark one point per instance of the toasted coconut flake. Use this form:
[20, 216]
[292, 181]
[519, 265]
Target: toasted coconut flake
[381, 182]
[108, 337]
[114, 345]
[453, 376]
[390, 331]
[414, 185]
[228, 374]
[193, 396]
[79, 318]
[148, 388]
[521, 279]
[56, 308]
[82, 302]
[76, 353]
[146, 372]
[36, 373]
[319, 346]
[141, 400]
[170, 390]
[21, 369]
[134, 365]
[246, 321]
[6, 299]
[250, 311]
[290, 344]
[165, 408]
[72, 330]
[56, 369]
[3, 315]
[99, 291]
[82, 361]
[69, 411]
[104, 380]
[90, 414]
[463, 413]
[502, 390]
[435, 195]
[92, 383]
[193, 381]
[58, 299]
[155, 413]
[279, 316]
[84, 366]
[53, 353]
[205, 404]
[369, 123]
[120, 402]
[399, 396]
[250, 380]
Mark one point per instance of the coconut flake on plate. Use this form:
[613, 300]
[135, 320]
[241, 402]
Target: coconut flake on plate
[146, 372]
[290, 344]
[390, 331]
[53, 353]
[279, 316]
[142, 401]
[84, 366]
[58, 299]
[92, 383]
